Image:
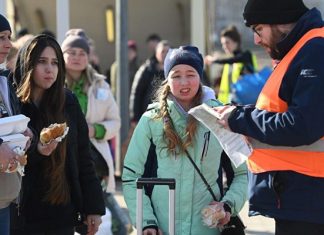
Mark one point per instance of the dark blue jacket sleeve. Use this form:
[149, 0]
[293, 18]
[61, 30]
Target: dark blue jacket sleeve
[303, 90]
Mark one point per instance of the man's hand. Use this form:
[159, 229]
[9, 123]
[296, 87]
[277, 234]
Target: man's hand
[7, 158]
[224, 113]
[29, 134]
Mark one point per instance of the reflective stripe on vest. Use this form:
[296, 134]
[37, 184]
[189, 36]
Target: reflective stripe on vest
[255, 63]
[306, 159]
[318, 146]
[231, 71]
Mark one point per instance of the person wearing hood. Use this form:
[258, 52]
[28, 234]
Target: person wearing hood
[285, 127]
[167, 134]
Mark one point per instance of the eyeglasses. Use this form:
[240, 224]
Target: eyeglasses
[255, 30]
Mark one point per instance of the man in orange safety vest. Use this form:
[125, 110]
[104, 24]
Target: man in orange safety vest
[285, 127]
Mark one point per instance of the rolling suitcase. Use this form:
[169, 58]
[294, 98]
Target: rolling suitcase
[140, 183]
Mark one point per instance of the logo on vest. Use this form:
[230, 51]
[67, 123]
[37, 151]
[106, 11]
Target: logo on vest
[308, 73]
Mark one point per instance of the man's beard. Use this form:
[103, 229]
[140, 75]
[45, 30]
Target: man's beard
[276, 37]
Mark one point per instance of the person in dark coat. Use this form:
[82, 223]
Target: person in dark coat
[147, 78]
[285, 127]
[60, 188]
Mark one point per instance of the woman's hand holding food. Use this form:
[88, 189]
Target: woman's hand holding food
[47, 149]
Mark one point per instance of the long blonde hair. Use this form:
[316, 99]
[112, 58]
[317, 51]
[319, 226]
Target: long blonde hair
[174, 141]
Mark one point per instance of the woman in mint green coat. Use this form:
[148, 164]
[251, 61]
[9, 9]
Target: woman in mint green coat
[168, 130]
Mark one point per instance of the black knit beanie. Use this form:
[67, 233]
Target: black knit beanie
[273, 11]
[4, 24]
[188, 55]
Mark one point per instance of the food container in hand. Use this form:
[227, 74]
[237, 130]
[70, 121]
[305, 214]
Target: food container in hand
[15, 140]
[13, 124]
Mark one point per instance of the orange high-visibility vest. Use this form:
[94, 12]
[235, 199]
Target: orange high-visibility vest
[306, 159]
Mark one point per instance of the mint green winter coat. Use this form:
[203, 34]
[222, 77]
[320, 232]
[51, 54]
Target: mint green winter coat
[191, 193]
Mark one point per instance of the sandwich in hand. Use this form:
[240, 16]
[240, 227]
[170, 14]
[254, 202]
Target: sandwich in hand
[52, 132]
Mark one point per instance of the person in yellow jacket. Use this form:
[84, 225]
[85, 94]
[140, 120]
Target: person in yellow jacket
[237, 62]
[286, 127]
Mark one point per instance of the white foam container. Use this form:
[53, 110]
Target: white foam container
[15, 140]
[13, 124]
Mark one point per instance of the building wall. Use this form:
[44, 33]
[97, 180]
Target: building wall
[169, 18]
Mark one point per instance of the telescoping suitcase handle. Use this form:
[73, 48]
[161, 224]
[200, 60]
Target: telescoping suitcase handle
[140, 183]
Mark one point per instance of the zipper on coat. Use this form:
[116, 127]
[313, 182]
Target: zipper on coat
[278, 188]
[205, 147]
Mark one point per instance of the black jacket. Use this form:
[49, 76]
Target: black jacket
[86, 193]
[244, 57]
[146, 79]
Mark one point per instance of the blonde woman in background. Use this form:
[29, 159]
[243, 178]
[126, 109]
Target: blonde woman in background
[96, 101]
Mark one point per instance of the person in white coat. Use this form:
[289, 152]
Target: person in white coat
[96, 100]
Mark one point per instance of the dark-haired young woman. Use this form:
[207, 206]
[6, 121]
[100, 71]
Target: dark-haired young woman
[60, 188]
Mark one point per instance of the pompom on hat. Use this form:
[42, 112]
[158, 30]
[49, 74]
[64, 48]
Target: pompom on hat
[273, 11]
[188, 55]
[4, 24]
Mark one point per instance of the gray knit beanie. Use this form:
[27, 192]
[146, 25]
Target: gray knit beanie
[78, 32]
[75, 38]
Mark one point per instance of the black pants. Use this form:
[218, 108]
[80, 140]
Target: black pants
[286, 227]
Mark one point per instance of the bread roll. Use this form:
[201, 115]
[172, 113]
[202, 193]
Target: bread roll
[52, 132]
[212, 214]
